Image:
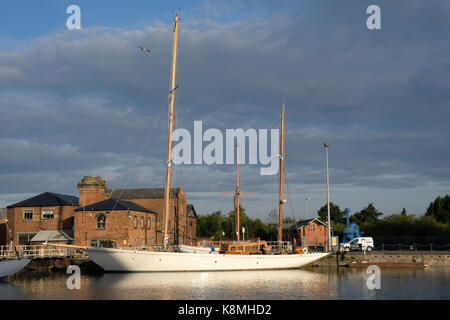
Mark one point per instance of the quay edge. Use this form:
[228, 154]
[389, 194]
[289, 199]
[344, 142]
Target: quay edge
[385, 260]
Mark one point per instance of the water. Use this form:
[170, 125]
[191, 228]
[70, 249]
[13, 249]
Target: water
[319, 283]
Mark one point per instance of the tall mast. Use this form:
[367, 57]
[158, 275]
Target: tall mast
[236, 212]
[172, 89]
[280, 210]
[237, 194]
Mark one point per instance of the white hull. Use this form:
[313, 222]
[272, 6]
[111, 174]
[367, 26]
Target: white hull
[125, 260]
[9, 267]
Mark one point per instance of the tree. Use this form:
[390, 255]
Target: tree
[210, 225]
[336, 214]
[440, 209]
[367, 215]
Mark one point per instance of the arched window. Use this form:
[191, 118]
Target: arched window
[135, 225]
[142, 222]
[101, 221]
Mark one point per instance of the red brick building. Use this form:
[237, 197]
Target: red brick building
[307, 233]
[93, 190]
[101, 216]
[115, 223]
[45, 212]
[191, 224]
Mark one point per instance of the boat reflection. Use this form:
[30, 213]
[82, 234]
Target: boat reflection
[268, 284]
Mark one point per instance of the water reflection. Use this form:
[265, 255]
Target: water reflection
[323, 283]
[216, 285]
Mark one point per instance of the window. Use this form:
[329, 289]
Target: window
[103, 243]
[142, 223]
[255, 248]
[101, 221]
[248, 248]
[240, 248]
[25, 237]
[149, 223]
[28, 215]
[48, 214]
[233, 249]
[135, 224]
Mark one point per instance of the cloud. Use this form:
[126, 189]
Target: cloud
[73, 104]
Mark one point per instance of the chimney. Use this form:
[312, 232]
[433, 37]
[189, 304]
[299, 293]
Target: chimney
[91, 190]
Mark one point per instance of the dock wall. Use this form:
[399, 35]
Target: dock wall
[429, 259]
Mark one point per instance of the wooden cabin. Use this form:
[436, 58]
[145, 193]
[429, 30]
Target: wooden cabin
[254, 247]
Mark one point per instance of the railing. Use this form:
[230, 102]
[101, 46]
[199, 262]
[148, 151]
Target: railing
[278, 247]
[412, 247]
[39, 251]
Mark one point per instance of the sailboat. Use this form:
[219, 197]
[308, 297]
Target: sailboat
[238, 255]
[11, 266]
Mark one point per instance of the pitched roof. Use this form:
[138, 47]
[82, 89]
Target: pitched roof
[190, 211]
[113, 204]
[143, 193]
[53, 235]
[47, 199]
[301, 223]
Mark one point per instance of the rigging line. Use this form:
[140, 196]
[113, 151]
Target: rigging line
[289, 194]
[162, 105]
[224, 176]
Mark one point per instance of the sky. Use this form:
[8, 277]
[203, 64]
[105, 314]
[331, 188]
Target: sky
[87, 102]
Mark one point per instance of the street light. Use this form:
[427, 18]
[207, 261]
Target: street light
[328, 198]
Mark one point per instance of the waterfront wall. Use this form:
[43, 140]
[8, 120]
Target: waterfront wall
[61, 264]
[430, 259]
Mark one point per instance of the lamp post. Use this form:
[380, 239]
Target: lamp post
[328, 198]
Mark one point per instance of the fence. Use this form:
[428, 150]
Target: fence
[412, 247]
[39, 251]
[412, 243]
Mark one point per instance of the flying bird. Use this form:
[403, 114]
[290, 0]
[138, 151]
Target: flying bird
[144, 49]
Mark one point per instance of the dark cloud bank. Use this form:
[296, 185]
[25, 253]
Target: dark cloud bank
[85, 103]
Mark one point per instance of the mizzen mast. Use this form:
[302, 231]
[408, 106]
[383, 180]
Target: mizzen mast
[237, 208]
[236, 198]
[172, 89]
[280, 210]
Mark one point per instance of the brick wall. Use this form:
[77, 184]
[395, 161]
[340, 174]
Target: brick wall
[119, 227]
[90, 195]
[177, 222]
[315, 233]
[191, 230]
[63, 219]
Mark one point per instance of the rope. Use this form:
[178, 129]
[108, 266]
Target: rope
[161, 105]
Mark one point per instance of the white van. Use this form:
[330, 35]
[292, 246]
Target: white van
[363, 243]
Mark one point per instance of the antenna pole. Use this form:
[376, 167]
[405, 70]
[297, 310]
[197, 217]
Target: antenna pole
[280, 210]
[237, 192]
[328, 198]
[169, 136]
